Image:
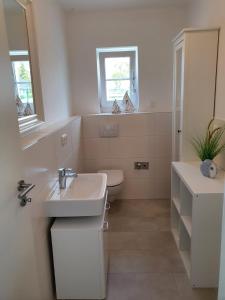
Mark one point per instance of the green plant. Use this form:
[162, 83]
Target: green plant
[210, 145]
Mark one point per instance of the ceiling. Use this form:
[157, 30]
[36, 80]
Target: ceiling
[89, 5]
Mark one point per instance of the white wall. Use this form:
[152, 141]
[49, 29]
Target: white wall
[50, 32]
[16, 29]
[208, 13]
[142, 137]
[152, 30]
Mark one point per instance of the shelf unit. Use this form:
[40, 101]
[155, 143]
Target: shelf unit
[196, 218]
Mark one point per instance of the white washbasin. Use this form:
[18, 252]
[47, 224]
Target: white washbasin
[83, 196]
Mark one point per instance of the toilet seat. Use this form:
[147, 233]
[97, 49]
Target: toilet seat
[114, 177]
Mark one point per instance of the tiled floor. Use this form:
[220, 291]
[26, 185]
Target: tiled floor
[144, 261]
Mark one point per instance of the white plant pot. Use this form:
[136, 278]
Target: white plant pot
[208, 168]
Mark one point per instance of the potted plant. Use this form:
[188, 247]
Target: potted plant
[208, 147]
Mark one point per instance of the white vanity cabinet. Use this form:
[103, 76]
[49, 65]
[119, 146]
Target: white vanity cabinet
[196, 220]
[195, 72]
[80, 257]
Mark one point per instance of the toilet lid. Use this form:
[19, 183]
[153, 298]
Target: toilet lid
[114, 177]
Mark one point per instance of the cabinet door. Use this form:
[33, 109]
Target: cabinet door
[105, 236]
[178, 100]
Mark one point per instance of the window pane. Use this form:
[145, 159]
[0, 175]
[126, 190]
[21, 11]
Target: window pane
[116, 89]
[23, 88]
[117, 68]
[24, 91]
[22, 71]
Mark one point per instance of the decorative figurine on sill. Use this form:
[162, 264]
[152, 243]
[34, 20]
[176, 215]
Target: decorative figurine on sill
[19, 105]
[128, 105]
[208, 147]
[28, 110]
[116, 108]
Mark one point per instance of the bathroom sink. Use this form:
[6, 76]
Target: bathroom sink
[83, 196]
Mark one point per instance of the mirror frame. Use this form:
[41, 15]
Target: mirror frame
[30, 122]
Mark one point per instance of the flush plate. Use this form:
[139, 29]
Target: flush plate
[109, 130]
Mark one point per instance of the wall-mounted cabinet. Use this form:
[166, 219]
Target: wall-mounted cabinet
[195, 69]
[196, 217]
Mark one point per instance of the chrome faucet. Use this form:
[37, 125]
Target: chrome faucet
[63, 175]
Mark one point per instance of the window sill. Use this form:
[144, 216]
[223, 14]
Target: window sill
[42, 130]
[29, 124]
[120, 114]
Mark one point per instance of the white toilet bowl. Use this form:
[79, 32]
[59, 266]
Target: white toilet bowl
[115, 179]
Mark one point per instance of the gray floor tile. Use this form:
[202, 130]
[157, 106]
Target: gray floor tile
[144, 261]
[137, 224]
[135, 261]
[188, 293]
[142, 286]
[154, 241]
[140, 208]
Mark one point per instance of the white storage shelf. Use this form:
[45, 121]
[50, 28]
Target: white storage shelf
[196, 218]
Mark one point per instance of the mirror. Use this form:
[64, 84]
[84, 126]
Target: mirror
[20, 56]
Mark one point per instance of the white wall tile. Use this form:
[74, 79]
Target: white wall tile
[127, 165]
[127, 147]
[96, 148]
[136, 125]
[162, 188]
[141, 174]
[162, 168]
[91, 165]
[40, 165]
[163, 178]
[63, 151]
[90, 127]
[77, 142]
[129, 124]
[163, 123]
[138, 189]
[142, 137]
[163, 146]
[40, 169]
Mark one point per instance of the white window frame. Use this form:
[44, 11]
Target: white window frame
[102, 53]
[21, 56]
[26, 123]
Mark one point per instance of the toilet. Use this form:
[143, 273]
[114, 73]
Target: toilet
[115, 179]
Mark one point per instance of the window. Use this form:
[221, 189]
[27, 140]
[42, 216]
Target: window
[117, 74]
[22, 83]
